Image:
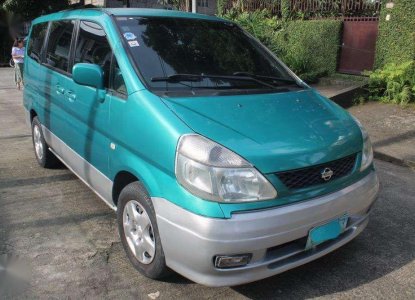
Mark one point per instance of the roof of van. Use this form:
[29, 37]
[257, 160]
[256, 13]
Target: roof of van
[145, 12]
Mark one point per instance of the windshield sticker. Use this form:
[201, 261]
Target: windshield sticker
[129, 36]
[133, 44]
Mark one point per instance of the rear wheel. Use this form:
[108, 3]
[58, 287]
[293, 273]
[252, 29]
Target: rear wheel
[44, 156]
[139, 232]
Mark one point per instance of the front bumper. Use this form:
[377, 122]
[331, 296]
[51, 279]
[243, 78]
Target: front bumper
[275, 237]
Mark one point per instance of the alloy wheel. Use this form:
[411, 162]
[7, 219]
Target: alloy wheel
[138, 232]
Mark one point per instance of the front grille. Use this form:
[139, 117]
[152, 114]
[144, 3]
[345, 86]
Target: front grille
[302, 178]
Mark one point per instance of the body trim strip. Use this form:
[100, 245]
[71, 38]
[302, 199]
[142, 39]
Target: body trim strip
[96, 180]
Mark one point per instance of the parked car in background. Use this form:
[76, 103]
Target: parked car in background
[221, 163]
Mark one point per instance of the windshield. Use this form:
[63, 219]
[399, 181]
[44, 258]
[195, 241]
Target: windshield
[182, 54]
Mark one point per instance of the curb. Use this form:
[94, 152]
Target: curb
[394, 160]
[345, 97]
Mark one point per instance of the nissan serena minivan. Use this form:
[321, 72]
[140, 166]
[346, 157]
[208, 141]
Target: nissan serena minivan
[221, 163]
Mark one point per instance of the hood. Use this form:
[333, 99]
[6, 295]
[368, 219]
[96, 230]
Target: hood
[274, 132]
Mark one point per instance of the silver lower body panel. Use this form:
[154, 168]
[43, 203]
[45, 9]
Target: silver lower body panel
[275, 237]
[91, 176]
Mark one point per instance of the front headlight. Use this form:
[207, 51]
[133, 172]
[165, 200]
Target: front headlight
[367, 151]
[213, 172]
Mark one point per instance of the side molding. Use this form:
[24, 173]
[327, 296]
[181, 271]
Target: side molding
[91, 176]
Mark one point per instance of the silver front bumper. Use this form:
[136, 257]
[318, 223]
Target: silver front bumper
[274, 237]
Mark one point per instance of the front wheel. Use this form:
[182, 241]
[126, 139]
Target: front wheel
[139, 232]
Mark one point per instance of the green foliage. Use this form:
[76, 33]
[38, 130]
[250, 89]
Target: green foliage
[259, 23]
[170, 3]
[309, 48]
[29, 9]
[285, 9]
[220, 6]
[394, 83]
[396, 40]
[5, 39]
[294, 10]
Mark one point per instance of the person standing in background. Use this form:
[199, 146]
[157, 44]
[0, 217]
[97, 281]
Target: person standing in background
[18, 52]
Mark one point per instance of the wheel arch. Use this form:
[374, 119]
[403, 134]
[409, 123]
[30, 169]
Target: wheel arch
[124, 178]
[121, 180]
[127, 167]
[32, 115]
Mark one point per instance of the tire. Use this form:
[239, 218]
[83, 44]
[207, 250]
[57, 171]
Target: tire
[44, 156]
[137, 235]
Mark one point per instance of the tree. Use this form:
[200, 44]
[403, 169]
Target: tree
[3, 16]
[29, 9]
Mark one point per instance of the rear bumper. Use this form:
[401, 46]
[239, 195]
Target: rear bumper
[275, 237]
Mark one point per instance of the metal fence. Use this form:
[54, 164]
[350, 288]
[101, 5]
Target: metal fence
[312, 8]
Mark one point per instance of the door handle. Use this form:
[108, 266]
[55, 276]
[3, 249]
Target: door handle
[59, 89]
[71, 96]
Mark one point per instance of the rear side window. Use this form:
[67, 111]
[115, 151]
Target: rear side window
[93, 47]
[37, 38]
[59, 44]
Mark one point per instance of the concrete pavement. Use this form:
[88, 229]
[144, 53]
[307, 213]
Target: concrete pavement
[67, 237]
[391, 129]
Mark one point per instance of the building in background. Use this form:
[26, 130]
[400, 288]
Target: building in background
[207, 7]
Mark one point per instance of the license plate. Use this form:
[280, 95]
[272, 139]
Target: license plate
[325, 232]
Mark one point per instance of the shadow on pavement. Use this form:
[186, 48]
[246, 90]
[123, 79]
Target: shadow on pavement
[395, 139]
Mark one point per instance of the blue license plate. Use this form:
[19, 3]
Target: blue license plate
[325, 232]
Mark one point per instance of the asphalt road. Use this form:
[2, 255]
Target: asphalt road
[63, 242]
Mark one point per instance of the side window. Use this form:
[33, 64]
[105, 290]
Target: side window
[59, 44]
[93, 47]
[117, 81]
[37, 38]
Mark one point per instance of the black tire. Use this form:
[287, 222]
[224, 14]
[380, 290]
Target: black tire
[157, 268]
[46, 159]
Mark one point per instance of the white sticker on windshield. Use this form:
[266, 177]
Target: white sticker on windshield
[129, 36]
[133, 44]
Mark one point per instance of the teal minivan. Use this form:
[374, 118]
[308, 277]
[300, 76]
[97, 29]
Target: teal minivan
[221, 163]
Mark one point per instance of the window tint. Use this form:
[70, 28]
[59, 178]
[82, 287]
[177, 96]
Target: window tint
[118, 83]
[93, 47]
[167, 46]
[37, 38]
[59, 44]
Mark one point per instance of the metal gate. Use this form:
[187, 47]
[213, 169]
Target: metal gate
[358, 44]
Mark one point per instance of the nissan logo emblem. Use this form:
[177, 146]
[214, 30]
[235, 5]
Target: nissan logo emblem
[326, 174]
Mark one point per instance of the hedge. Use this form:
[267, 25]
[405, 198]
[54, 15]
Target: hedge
[396, 40]
[309, 47]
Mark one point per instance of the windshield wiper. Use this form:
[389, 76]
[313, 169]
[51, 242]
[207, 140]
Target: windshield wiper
[199, 77]
[248, 74]
[178, 77]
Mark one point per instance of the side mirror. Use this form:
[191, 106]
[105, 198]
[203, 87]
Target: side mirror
[88, 74]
